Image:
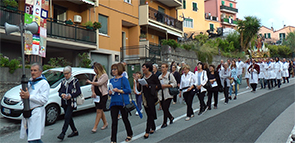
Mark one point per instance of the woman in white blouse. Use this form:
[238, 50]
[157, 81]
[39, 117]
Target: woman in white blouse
[187, 86]
[167, 81]
[201, 80]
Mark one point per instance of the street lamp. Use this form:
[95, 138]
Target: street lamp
[32, 27]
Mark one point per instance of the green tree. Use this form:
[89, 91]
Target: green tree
[248, 29]
[235, 38]
[290, 41]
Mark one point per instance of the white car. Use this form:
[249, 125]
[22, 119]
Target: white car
[12, 106]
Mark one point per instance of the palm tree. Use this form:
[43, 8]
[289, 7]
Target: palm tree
[248, 29]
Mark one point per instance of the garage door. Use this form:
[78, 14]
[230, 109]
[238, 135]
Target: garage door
[102, 59]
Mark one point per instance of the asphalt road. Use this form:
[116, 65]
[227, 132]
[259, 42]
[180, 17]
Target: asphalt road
[242, 120]
[244, 123]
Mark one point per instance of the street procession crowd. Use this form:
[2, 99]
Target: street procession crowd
[151, 87]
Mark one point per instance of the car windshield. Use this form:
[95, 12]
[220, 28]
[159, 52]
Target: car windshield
[53, 77]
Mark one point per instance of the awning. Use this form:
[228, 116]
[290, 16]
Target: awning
[166, 30]
[88, 2]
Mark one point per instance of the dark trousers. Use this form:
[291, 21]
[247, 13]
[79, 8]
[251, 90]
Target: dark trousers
[201, 97]
[150, 123]
[210, 92]
[68, 119]
[286, 78]
[114, 114]
[262, 82]
[270, 83]
[175, 98]
[165, 107]
[225, 92]
[188, 97]
[254, 86]
[279, 83]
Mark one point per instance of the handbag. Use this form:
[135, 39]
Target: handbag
[80, 99]
[129, 107]
[208, 84]
[173, 90]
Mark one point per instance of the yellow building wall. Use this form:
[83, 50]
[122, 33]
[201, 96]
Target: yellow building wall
[116, 11]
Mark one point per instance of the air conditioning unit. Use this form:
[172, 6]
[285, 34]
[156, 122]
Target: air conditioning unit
[77, 18]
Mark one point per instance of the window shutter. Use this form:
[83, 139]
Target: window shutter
[195, 7]
[269, 36]
[222, 2]
[184, 4]
[230, 5]
[265, 36]
[211, 27]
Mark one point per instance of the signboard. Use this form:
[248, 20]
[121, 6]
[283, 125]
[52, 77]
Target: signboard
[36, 10]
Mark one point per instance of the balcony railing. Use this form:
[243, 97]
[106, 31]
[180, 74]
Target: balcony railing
[228, 8]
[165, 19]
[55, 28]
[148, 52]
[229, 20]
[214, 18]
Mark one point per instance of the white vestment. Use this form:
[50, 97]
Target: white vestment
[278, 70]
[36, 123]
[285, 72]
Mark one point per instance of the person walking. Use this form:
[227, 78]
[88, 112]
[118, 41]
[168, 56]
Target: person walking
[285, 71]
[261, 75]
[225, 81]
[254, 71]
[167, 81]
[37, 91]
[247, 75]
[201, 80]
[69, 91]
[99, 88]
[187, 86]
[138, 94]
[214, 79]
[278, 68]
[177, 78]
[240, 67]
[234, 78]
[119, 98]
[150, 97]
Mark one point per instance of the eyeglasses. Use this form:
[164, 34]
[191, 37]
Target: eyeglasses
[66, 73]
[114, 69]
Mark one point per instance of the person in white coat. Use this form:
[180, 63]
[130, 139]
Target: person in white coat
[225, 80]
[285, 72]
[254, 70]
[247, 75]
[37, 92]
[273, 74]
[261, 75]
[278, 71]
[187, 87]
[240, 66]
[202, 78]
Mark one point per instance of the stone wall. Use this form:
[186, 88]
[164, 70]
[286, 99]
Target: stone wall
[8, 80]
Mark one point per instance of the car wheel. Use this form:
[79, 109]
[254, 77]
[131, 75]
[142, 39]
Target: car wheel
[52, 112]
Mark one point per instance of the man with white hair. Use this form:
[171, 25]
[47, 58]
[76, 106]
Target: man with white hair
[37, 92]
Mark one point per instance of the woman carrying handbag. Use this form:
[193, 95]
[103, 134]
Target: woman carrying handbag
[119, 97]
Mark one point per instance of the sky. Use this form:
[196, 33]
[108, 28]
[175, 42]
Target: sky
[274, 13]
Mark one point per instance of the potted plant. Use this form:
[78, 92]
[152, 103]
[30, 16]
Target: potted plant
[88, 25]
[96, 25]
[10, 4]
[142, 36]
[69, 22]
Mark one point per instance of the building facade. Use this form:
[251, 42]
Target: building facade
[272, 36]
[224, 10]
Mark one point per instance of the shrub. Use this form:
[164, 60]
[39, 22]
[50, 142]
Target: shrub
[11, 3]
[58, 62]
[172, 43]
[96, 25]
[12, 64]
[84, 60]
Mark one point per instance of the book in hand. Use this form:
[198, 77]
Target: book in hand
[142, 81]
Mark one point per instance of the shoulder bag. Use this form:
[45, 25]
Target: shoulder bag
[129, 107]
[80, 98]
[208, 84]
[173, 90]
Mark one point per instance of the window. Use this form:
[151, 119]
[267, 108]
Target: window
[222, 2]
[195, 6]
[260, 35]
[282, 36]
[230, 5]
[211, 27]
[104, 24]
[184, 4]
[60, 13]
[265, 36]
[188, 23]
[269, 35]
[160, 9]
[82, 78]
[128, 1]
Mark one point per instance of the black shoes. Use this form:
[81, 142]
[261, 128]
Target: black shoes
[164, 125]
[171, 120]
[61, 136]
[73, 134]
[229, 97]
[235, 98]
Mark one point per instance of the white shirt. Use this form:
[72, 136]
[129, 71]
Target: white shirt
[240, 66]
[36, 123]
[187, 80]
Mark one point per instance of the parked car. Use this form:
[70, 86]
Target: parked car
[12, 106]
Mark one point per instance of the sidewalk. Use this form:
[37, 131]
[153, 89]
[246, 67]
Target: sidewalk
[7, 125]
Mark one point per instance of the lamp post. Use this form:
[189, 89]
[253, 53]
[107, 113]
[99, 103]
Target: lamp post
[33, 27]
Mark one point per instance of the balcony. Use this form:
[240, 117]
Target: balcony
[80, 2]
[148, 52]
[209, 17]
[55, 29]
[171, 3]
[229, 21]
[228, 9]
[159, 20]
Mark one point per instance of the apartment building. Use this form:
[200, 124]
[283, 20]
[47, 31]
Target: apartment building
[275, 36]
[195, 20]
[223, 10]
